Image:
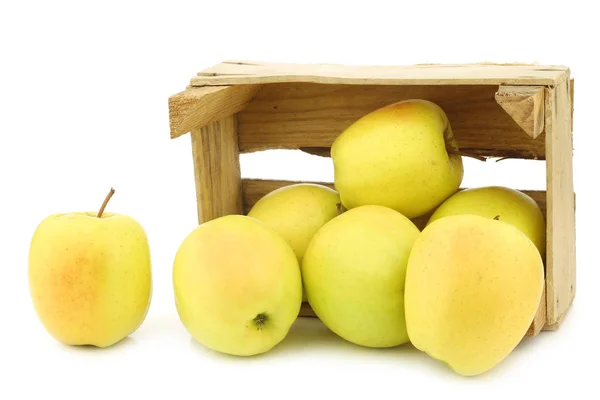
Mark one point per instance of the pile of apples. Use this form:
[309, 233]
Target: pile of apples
[464, 289]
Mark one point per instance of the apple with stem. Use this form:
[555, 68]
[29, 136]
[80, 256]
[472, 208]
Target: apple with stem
[90, 276]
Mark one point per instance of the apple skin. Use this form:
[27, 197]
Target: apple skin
[237, 285]
[297, 212]
[397, 157]
[90, 278]
[354, 270]
[509, 205]
[473, 287]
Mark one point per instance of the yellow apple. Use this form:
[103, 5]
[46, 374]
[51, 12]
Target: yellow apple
[90, 276]
[237, 285]
[353, 272]
[473, 286]
[297, 212]
[402, 156]
[506, 204]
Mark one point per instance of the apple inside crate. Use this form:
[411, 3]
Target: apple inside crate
[495, 111]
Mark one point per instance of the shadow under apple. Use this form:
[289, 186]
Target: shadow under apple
[126, 342]
[310, 334]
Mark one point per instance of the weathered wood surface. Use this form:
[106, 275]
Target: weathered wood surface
[311, 116]
[560, 268]
[195, 108]
[217, 169]
[525, 105]
[255, 72]
[254, 189]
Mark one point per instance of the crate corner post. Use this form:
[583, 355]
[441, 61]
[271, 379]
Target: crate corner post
[209, 115]
[560, 263]
[217, 172]
[525, 105]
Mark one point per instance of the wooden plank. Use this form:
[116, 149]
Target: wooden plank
[307, 115]
[539, 321]
[560, 269]
[525, 105]
[572, 101]
[217, 169]
[254, 189]
[556, 325]
[307, 311]
[250, 72]
[197, 107]
[537, 325]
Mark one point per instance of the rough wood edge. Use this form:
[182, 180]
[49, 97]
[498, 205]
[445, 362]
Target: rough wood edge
[561, 263]
[310, 116]
[253, 189]
[525, 105]
[572, 101]
[556, 325]
[485, 153]
[257, 72]
[539, 321]
[195, 108]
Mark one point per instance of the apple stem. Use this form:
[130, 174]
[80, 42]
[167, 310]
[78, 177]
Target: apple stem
[339, 208]
[106, 200]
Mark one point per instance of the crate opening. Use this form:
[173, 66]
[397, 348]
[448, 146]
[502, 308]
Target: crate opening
[297, 165]
[265, 171]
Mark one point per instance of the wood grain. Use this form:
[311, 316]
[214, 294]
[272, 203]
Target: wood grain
[198, 107]
[560, 269]
[539, 320]
[252, 72]
[254, 189]
[572, 101]
[217, 169]
[296, 115]
[307, 311]
[525, 105]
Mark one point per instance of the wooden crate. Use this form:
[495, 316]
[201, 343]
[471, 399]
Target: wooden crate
[495, 110]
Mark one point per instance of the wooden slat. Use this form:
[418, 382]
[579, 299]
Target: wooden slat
[307, 311]
[254, 189]
[556, 325]
[525, 105]
[217, 169]
[309, 115]
[250, 72]
[560, 269]
[572, 101]
[537, 325]
[539, 321]
[197, 107]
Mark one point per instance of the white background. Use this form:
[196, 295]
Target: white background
[83, 107]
